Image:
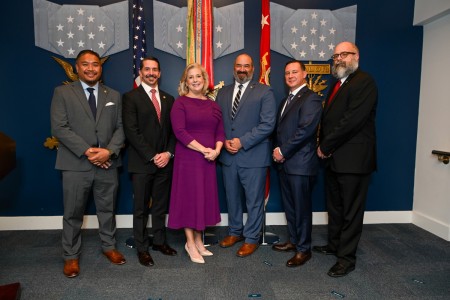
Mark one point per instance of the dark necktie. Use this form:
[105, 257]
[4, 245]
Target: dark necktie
[236, 102]
[288, 101]
[333, 93]
[156, 104]
[91, 101]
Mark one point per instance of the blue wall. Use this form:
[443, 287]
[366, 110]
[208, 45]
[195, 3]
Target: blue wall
[390, 49]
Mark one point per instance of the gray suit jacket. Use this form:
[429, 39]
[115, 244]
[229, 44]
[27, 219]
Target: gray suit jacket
[76, 129]
[253, 124]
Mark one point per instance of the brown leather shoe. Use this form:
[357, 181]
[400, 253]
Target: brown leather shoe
[71, 268]
[247, 249]
[230, 240]
[115, 257]
[145, 259]
[165, 249]
[298, 259]
[286, 247]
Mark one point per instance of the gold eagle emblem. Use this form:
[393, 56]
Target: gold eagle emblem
[68, 68]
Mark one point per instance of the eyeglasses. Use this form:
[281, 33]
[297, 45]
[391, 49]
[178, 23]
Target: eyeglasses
[342, 55]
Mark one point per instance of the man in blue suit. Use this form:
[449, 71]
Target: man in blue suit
[248, 110]
[296, 140]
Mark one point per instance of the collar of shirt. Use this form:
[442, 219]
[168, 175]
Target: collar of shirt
[343, 79]
[294, 92]
[236, 88]
[86, 92]
[148, 88]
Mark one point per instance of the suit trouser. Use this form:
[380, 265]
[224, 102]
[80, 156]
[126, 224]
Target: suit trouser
[296, 196]
[346, 200]
[76, 189]
[251, 183]
[157, 188]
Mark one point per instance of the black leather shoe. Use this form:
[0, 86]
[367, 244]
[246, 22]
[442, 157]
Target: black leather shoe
[286, 247]
[165, 249]
[145, 259]
[298, 259]
[324, 250]
[339, 270]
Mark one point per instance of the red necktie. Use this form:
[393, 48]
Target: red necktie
[156, 104]
[333, 93]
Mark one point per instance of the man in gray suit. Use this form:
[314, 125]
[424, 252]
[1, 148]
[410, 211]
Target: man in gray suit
[86, 118]
[248, 110]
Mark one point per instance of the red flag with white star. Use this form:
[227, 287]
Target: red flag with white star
[264, 61]
[264, 46]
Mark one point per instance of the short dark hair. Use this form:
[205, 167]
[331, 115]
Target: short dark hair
[86, 51]
[302, 65]
[149, 58]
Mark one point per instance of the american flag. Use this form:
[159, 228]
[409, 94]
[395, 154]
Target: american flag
[139, 45]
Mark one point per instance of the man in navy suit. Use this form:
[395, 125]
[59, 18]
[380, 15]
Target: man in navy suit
[348, 146]
[147, 126]
[248, 110]
[296, 140]
[86, 117]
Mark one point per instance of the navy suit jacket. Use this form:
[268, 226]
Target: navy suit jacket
[253, 124]
[145, 134]
[296, 133]
[348, 126]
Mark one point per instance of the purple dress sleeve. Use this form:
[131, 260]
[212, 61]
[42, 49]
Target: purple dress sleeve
[178, 119]
[220, 131]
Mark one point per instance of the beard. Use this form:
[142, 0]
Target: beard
[242, 76]
[342, 69]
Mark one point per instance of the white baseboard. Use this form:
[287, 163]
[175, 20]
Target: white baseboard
[432, 225]
[126, 221]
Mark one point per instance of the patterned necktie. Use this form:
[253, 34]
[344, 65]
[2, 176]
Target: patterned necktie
[236, 102]
[156, 104]
[288, 101]
[333, 93]
[92, 103]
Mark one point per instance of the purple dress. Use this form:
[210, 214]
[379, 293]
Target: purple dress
[194, 201]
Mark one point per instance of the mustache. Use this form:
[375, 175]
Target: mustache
[340, 64]
[150, 76]
[242, 72]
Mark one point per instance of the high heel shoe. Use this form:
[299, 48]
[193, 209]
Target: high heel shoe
[205, 252]
[193, 259]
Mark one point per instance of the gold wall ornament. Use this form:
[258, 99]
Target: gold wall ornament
[68, 68]
[51, 143]
[315, 81]
[213, 94]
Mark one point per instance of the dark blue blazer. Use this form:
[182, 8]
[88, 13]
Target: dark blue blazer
[296, 133]
[253, 124]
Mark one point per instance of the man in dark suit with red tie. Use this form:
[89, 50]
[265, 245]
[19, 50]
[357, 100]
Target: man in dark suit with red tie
[348, 146]
[296, 142]
[147, 126]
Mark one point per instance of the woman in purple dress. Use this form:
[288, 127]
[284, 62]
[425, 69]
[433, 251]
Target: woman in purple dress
[198, 127]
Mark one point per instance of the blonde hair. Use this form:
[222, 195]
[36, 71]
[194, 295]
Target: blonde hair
[183, 88]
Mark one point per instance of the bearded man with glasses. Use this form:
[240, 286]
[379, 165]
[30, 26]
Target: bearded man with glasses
[348, 145]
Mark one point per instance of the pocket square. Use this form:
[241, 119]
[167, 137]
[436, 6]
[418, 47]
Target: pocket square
[110, 103]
